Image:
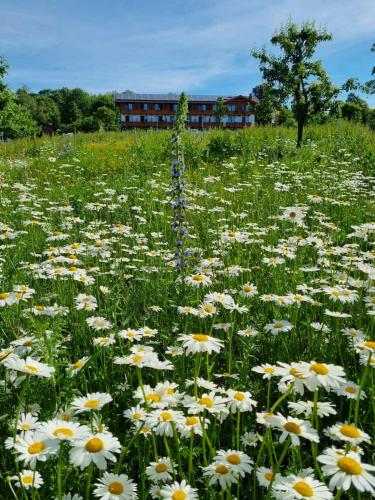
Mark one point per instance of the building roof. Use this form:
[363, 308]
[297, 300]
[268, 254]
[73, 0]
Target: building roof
[167, 97]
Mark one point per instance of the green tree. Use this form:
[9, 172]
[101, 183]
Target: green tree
[369, 86]
[221, 110]
[107, 118]
[3, 71]
[15, 120]
[294, 75]
[265, 107]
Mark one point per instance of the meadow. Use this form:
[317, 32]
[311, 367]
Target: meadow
[249, 374]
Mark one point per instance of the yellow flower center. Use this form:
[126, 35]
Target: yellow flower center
[232, 234]
[319, 369]
[166, 416]
[240, 396]
[25, 427]
[179, 495]
[78, 364]
[64, 431]
[349, 466]
[155, 398]
[198, 277]
[351, 390]
[136, 358]
[335, 293]
[269, 369]
[159, 468]
[92, 403]
[206, 402]
[277, 325]
[192, 420]
[115, 488]
[233, 459]
[32, 368]
[292, 427]
[268, 476]
[350, 431]
[295, 373]
[73, 269]
[137, 416]
[40, 308]
[36, 448]
[370, 344]
[57, 233]
[27, 479]
[303, 489]
[4, 296]
[94, 445]
[200, 337]
[222, 469]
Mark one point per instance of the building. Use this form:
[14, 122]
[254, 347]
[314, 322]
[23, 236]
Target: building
[159, 111]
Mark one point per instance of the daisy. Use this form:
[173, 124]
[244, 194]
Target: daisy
[136, 414]
[300, 487]
[192, 425]
[348, 433]
[249, 439]
[200, 342]
[98, 323]
[278, 326]
[63, 430]
[76, 367]
[241, 401]
[218, 472]
[322, 375]
[268, 371]
[35, 446]
[105, 341]
[28, 479]
[178, 491]
[27, 422]
[248, 290]
[29, 366]
[97, 448]
[161, 470]
[306, 408]
[350, 390]
[237, 461]
[265, 475]
[163, 421]
[93, 401]
[197, 280]
[295, 428]
[248, 332]
[130, 334]
[347, 470]
[115, 487]
[210, 402]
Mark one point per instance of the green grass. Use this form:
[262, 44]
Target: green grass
[231, 186]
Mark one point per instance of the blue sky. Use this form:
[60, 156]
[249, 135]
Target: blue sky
[200, 46]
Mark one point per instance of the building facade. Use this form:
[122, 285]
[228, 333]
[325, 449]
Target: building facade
[159, 111]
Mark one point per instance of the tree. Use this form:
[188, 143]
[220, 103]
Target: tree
[221, 110]
[265, 107]
[107, 118]
[369, 86]
[3, 71]
[15, 120]
[293, 75]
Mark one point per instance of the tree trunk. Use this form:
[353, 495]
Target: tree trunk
[299, 133]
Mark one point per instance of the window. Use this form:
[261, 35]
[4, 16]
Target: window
[206, 119]
[134, 118]
[245, 107]
[232, 107]
[202, 107]
[194, 119]
[173, 107]
[157, 106]
[144, 106]
[128, 106]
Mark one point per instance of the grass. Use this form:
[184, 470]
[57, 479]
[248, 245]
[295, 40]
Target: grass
[102, 209]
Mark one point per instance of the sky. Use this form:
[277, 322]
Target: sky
[156, 46]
